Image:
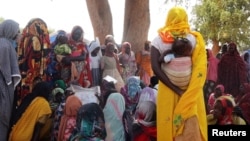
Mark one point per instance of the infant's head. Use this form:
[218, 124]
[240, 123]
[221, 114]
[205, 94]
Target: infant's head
[182, 47]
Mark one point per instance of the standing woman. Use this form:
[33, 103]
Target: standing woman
[32, 51]
[127, 61]
[232, 70]
[9, 73]
[79, 59]
[143, 59]
[212, 70]
[110, 66]
[181, 113]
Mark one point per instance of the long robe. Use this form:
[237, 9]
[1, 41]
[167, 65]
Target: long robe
[178, 116]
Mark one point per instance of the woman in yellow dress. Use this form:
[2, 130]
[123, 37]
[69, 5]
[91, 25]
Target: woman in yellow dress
[32, 114]
[181, 114]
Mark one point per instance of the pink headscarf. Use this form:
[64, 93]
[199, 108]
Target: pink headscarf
[125, 45]
[221, 87]
[212, 66]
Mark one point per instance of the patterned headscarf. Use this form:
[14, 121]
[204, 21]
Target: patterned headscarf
[176, 25]
[227, 109]
[133, 85]
[146, 113]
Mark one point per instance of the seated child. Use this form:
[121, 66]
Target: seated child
[176, 63]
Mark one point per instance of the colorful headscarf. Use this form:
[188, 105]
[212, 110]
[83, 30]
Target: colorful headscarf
[146, 120]
[146, 113]
[227, 111]
[90, 123]
[113, 112]
[71, 108]
[55, 91]
[175, 25]
[133, 85]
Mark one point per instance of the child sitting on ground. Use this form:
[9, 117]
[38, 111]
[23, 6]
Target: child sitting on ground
[176, 63]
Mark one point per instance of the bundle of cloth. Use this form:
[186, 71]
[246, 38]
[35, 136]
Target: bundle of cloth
[178, 71]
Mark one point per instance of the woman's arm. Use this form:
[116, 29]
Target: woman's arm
[67, 59]
[156, 66]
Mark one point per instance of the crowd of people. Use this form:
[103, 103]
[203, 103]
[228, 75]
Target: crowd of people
[170, 90]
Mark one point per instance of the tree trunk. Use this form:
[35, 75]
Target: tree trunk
[101, 18]
[136, 23]
[216, 47]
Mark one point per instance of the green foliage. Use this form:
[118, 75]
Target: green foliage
[1, 19]
[223, 20]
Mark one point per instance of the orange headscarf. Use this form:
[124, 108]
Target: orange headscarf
[71, 108]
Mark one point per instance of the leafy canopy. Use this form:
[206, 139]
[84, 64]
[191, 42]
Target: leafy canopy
[223, 20]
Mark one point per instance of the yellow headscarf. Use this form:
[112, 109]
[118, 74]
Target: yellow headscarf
[176, 25]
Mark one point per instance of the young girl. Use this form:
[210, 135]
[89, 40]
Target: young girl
[176, 63]
[95, 62]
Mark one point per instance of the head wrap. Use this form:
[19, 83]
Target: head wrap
[221, 87]
[176, 25]
[61, 84]
[8, 57]
[57, 90]
[94, 44]
[146, 113]
[227, 111]
[9, 29]
[71, 108]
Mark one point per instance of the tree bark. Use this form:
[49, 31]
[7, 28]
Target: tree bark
[136, 23]
[101, 18]
[216, 47]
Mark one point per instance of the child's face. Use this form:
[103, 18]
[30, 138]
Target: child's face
[95, 51]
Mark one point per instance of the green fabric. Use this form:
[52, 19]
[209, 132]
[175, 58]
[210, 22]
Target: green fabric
[60, 84]
[62, 49]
